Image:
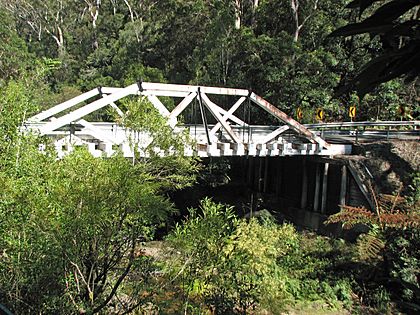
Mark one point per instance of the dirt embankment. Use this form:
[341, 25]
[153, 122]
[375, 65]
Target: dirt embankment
[392, 164]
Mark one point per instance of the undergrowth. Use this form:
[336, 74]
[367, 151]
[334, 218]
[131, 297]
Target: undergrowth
[225, 265]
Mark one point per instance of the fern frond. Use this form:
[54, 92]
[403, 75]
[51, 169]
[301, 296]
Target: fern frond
[350, 216]
[370, 246]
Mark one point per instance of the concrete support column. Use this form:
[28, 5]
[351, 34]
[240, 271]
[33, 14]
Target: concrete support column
[343, 188]
[317, 186]
[304, 196]
[324, 189]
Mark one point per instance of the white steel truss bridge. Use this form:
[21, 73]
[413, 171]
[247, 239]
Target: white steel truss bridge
[226, 134]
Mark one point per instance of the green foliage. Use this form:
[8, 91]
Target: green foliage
[75, 229]
[142, 116]
[70, 229]
[403, 261]
[414, 197]
[370, 245]
[15, 106]
[236, 266]
[396, 23]
[230, 263]
[197, 42]
[309, 268]
[215, 173]
[174, 170]
[390, 248]
[14, 55]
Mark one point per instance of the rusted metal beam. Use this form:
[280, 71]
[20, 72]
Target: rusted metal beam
[293, 124]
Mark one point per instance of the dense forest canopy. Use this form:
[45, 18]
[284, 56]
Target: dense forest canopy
[279, 49]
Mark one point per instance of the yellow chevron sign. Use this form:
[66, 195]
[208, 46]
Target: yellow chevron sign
[299, 113]
[320, 114]
[352, 111]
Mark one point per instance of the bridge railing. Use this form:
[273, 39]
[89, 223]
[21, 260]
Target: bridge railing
[368, 130]
[366, 124]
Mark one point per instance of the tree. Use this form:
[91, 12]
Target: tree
[396, 23]
[70, 229]
[14, 55]
[299, 22]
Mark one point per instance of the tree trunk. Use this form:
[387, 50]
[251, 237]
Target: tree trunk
[298, 25]
[237, 14]
[295, 8]
[255, 4]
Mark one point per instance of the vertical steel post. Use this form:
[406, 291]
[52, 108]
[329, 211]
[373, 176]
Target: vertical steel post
[203, 116]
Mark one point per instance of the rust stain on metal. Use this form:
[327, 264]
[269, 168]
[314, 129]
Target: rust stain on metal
[288, 120]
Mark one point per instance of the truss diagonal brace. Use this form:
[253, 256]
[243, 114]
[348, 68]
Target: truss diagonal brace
[180, 108]
[213, 108]
[87, 109]
[96, 132]
[274, 134]
[158, 105]
[228, 115]
[293, 124]
[65, 105]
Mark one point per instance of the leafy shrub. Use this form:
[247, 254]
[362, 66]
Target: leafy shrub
[317, 270]
[230, 263]
[233, 265]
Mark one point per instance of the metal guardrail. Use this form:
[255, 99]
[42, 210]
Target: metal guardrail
[368, 130]
[365, 124]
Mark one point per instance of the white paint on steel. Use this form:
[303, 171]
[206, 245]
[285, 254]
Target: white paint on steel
[87, 109]
[228, 115]
[64, 106]
[158, 105]
[215, 112]
[102, 137]
[182, 105]
[232, 117]
[275, 133]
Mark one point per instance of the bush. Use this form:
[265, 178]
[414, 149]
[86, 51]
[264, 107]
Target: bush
[228, 263]
[73, 229]
[232, 265]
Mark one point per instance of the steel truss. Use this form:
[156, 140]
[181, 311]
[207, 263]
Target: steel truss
[103, 138]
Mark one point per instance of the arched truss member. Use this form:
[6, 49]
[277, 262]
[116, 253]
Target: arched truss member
[260, 140]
